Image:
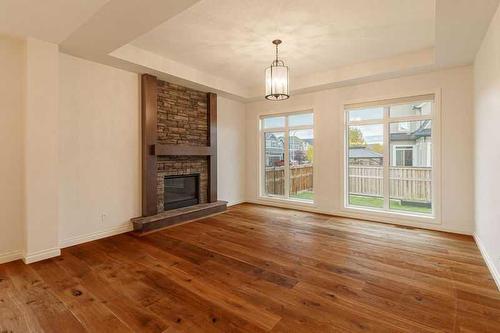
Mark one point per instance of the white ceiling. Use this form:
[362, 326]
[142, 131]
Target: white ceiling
[232, 38]
[49, 20]
[223, 46]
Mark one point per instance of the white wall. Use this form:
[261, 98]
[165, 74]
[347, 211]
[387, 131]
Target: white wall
[231, 152]
[454, 89]
[12, 69]
[41, 137]
[487, 146]
[99, 155]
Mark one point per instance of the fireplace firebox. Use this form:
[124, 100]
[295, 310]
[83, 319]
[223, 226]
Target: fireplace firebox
[181, 191]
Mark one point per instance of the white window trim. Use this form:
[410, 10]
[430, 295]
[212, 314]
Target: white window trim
[286, 129]
[386, 215]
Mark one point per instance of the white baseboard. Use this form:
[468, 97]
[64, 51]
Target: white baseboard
[96, 235]
[489, 262]
[234, 203]
[41, 255]
[11, 256]
[54, 252]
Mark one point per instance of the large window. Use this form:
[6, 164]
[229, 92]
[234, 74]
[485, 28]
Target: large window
[389, 156]
[288, 150]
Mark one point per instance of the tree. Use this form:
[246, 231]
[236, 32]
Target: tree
[310, 153]
[356, 138]
[377, 147]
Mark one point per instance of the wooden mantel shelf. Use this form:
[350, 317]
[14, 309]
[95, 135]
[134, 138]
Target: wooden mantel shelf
[182, 150]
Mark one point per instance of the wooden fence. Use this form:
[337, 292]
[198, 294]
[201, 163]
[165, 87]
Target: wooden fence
[301, 179]
[406, 183]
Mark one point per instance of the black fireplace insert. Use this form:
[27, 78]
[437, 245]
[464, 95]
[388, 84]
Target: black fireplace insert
[181, 191]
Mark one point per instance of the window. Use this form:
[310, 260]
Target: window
[389, 156]
[402, 156]
[273, 122]
[288, 138]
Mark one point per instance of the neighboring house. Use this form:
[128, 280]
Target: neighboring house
[411, 144]
[364, 156]
[275, 153]
[298, 149]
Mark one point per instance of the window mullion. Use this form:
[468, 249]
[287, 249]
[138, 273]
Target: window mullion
[286, 163]
[263, 189]
[386, 164]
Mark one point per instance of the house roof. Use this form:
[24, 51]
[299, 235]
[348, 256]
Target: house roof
[363, 152]
[423, 131]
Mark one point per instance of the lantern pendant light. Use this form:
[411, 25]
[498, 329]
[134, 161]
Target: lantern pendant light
[277, 78]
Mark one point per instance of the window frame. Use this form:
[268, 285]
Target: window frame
[262, 165]
[385, 213]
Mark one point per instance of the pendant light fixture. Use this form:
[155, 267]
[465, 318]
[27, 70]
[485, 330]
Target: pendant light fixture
[277, 78]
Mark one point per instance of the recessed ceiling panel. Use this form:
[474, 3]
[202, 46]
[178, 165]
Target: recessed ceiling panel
[232, 38]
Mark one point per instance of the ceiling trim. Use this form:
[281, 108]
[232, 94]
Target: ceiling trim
[157, 63]
[117, 23]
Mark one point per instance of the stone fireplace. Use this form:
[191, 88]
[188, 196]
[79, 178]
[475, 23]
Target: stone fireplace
[182, 120]
[178, 166]
[179, 135]
[181, 191]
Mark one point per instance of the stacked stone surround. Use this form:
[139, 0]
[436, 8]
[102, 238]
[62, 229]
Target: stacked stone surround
[182, 120]
[182, 115]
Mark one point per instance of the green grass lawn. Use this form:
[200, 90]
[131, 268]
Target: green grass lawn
[306, 195]
[376, 202]
[372, 202]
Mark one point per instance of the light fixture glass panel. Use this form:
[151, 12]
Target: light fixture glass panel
[277, 82]
[268, 81]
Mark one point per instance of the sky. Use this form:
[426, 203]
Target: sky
[372, 133]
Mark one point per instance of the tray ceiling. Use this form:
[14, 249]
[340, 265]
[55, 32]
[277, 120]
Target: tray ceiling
[232, 38]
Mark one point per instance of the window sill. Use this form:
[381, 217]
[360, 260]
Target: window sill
[307, 203]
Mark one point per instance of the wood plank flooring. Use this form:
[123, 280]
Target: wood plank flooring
[257, 269]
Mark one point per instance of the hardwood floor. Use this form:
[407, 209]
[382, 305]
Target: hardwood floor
[257, 269]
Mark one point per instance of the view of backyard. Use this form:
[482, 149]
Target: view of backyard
[378, 202]
[408, 186]
[289, 151]
[304, 195]
[390, 158]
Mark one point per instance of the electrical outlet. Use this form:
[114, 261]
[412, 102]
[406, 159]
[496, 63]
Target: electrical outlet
[103, 217]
